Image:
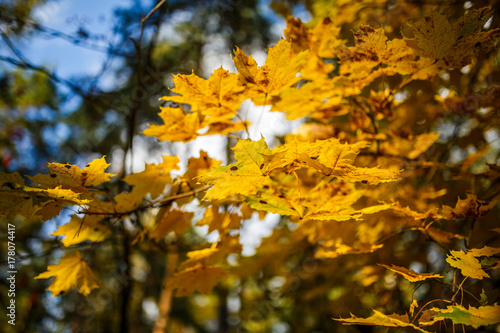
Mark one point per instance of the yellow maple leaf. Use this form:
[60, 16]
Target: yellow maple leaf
[223, 126]
[380, 319]
[410, 147]
[178, 125]
[321, 42]
[124, 202]
[257, 178]
[266, 82]
[407, 211]
[322, 155]
[154, 178]
[175, 220]
[49, 202]
[60, 194]
[410, 274]
[468, 207]
[440, 236]
[486, 251]
[219, 221]
[332, 201]
[232, 181]
[72, 177]
[339, 11]
[316, 98]
[298, 34]
[455, 44]
[11, 181]
[468, 264]
[372, 49]
[272, 203]
[228, 244]
[218, 97]
[329, 157]
[71, 272]
[334, 249]
[13, 199]
[434, 35]
[93, 174]
[241, 178]
[200, 165]
[199, 278]
[325, 38]
[14, 204]
[336, 211]
[198, 256]
[80, 229]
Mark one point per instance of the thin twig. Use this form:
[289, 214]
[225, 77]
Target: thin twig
[27, 65]
[153, 11]
[135, 109]
[158, 203]
[459, 288]
[23, 62]
[434, 300]
[165, 301]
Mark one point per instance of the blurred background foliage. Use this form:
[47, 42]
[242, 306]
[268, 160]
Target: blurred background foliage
[48, 118]
[45, 117]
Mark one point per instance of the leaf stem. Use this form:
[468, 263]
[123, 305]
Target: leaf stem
[459, 288]
[434, 300]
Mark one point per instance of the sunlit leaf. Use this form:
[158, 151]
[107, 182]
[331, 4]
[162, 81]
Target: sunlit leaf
[380, 319]
[178, 125]
[410, 274]
[72, 177]
[198, 256]
[154, 178]
[81, 229]
[475, 317]
[199, 278]
[337, 249]
[218, 97]
[176, 221]
[486, 251]
[241, 178]
[72, 271]
[280, 71]
[219, 221]
[467, 263]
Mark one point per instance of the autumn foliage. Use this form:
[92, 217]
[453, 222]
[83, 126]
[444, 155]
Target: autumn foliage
[388, 191]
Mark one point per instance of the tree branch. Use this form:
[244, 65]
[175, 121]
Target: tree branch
[165, 302]
[159, 203]
[132, 119]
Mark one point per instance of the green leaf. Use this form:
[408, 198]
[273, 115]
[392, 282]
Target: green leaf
[475, 317]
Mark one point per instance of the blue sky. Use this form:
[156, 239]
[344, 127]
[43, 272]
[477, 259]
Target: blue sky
[97, 16]
[67, 16]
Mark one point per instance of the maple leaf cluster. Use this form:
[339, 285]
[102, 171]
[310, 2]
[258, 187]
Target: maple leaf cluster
[355, 177]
